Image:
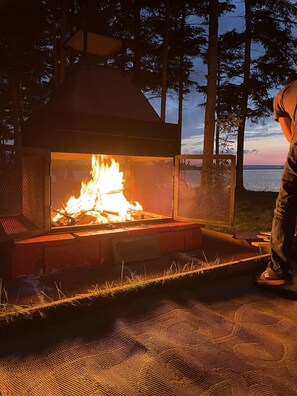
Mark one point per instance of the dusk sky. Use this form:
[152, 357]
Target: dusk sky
[264, 142]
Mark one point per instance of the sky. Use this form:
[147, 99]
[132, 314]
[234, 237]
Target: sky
[264, 143]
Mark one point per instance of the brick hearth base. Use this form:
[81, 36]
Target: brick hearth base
[55, 252]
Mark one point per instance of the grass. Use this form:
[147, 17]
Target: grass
[104, 296]
[134, 281]
[253, 212]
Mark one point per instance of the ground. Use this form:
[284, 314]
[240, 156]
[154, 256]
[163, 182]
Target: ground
[213, 337]
[253, 212]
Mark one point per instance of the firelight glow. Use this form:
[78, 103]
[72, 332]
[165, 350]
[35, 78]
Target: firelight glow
[101, 199]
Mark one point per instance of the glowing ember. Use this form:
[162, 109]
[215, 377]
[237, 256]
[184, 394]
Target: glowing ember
[101, 198]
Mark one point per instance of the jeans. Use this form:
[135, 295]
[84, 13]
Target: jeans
[285, 212]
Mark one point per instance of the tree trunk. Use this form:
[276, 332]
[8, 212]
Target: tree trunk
[62, 40]
[181, 66]
[15, 92]
[137, 34]
[165, 62]
[56, 57]
[245, 93]
[212, 58]
[217, 145]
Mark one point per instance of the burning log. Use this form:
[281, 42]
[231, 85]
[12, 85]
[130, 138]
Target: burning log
[136, 214]
[109, 212]
[83, 217]
[115, 191]
[71, 219]
[64, 208]
[86, 218]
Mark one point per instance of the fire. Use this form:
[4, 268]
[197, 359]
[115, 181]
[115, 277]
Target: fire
[101, 199]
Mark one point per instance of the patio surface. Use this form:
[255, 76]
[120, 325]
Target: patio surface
[217, 337]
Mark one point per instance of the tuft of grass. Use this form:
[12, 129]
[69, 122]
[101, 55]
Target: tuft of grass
[108, 286]
[177, 269]
[5, 306]
[173, 269]
[3, 294]
[61, 295]
[134, 279]
[190, 267]
[44, 298]
[122, 270]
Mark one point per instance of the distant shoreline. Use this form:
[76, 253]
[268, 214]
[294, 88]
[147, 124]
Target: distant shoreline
[254, 167]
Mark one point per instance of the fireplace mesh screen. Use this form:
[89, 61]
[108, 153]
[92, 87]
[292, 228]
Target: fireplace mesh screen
[24, 197]
[204, 189]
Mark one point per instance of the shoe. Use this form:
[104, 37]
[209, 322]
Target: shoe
[274, 278]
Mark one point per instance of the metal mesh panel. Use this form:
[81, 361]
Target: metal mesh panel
[23, 192]
[204, 189]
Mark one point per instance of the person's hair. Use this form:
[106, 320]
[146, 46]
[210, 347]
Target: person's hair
[291, 77]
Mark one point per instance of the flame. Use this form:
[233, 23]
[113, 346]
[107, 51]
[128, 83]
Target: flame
[101, 198]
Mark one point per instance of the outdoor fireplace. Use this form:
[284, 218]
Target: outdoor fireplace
[58, 204]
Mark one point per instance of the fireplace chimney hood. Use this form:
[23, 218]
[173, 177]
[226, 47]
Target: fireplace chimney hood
[99, 109]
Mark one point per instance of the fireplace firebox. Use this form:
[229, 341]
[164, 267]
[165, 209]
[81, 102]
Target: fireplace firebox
[55, 192]
[105, 189]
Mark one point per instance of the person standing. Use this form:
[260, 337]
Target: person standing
[279, 269]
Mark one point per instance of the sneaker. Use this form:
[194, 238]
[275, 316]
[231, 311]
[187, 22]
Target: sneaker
[274, 278]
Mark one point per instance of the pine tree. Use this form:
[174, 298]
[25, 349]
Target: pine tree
[246, 80]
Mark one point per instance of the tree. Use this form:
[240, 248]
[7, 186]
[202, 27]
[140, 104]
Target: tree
[245, 95]
[246, 82]
[211, 79]
[25, 66]
[165, 59]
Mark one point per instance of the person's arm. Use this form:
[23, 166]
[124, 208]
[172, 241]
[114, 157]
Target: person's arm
[285, 124]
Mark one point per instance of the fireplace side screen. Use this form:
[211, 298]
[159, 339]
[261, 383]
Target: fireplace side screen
[24, 192]
[99, 190]
[204, 189]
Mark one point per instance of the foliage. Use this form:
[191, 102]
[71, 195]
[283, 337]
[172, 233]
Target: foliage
[32, 43]
[228, 131]
[273, 42]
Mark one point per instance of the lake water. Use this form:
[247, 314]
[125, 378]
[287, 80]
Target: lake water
[262, 178]
[255, 177]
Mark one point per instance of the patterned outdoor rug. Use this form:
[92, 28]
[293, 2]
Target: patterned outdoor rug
[225, 338]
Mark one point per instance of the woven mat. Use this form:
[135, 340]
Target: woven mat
[225, 338]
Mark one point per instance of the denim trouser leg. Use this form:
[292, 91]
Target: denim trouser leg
[284, 219]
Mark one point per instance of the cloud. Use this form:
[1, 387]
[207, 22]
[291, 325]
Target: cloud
[264, 130]
[251, 152]
[192, 145]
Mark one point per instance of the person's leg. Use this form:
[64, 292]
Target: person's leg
[283, 225]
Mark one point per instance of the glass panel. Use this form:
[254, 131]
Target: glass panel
[102, 189]
[204, 189]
